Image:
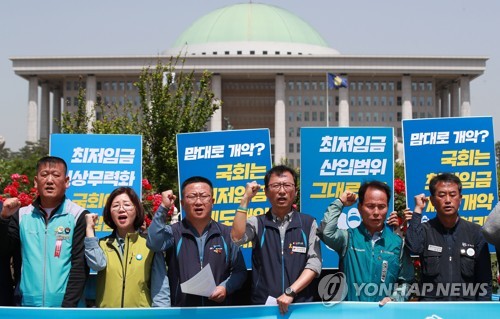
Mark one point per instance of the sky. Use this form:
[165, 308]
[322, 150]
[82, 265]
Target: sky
[148, 27]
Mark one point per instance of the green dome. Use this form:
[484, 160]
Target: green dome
[251, 23]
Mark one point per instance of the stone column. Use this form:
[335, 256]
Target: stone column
[33, 110]
[465, 108]
[56, 110]
[454, 100]
[437, 103]
[279, 120]
[407, 107]
[216, 120]
[445, 102]
[343, 106]
[45, 112]
[91, 97]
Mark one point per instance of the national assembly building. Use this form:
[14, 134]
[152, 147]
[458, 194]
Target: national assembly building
[270, 70]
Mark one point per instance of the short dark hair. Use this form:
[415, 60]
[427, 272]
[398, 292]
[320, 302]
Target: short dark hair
[196, 179]
[51, 160]
[279, 170]
[444, 177]
[373, 184]
[139, 210]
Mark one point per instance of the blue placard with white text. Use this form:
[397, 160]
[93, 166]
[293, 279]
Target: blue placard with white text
[229, 159]
[336, 159]
[463, 146]
[97, 164]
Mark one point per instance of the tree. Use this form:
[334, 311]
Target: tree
[172, 102]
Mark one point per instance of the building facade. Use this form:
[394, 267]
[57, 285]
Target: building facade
[270, 71]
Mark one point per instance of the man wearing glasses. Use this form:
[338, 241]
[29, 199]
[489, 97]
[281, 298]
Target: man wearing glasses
[195, 242]
[286, 254]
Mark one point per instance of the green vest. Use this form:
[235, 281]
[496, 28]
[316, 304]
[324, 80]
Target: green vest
[125, 282]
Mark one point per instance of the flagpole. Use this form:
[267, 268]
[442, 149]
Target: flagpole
[327, 99]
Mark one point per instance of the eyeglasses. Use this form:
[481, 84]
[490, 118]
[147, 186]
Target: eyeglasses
[192, 198]
[277, 186]
[126, 206]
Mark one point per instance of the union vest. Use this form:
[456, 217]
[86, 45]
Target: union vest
[275, 266]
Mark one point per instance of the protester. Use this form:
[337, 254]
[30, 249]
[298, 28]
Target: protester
[6, 278]
[453, 253]
[371, 253]
[286, 255]
[128, 274]
[491, 229]
[195, 242]
[49, 235]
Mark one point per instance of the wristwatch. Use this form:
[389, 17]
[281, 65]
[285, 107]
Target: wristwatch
[290, 292]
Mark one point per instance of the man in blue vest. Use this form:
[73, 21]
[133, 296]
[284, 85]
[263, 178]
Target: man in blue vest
[455, 259]
[195, 242]
[286, 254]
[49, 235]
[377, 268]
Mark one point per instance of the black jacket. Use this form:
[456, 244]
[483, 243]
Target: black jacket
[455, 262]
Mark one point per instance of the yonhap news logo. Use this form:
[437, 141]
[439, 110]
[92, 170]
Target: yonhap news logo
[332, 289]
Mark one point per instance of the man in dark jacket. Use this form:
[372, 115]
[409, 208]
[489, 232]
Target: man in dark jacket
[194, 243]
[286, 255]
[454, 255]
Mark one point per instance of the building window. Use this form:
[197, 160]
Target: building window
[360, 86]
[306, 100]
[68, 85]
[399, 116]
[306, 116]
[299, 116]
[314, 116]
[322, 86]
[298, 147]
[122, 86]
[321, 100]
[314, 86]
[291, 85]
[99, 86]
[353, 101]
[337, 100]
[383, 100]
[306, 86]
[399, 101]
[375, 117]
[414, 86]
[383, 86]
[352, 86]
[75, 101]
[360, 117]
[322, 116]
[375, 86]
[290, 117]
[360, 100]
[391, 100]
[299, 86]
[421, 101]
[429, 86]
[398, 85]
[391, 116]
[368, 86]
[130, 86]
[291, 131]
[68, 101]
[290, 101]
[290, 147]
[391, 86]
[375, 100]
[114, 86]
[429, 101]
[414, 101]
[421, 86]
[298, 131]
[106, 86]
[382, 117]
[368, 101]
[368, 117]
[314, 100]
